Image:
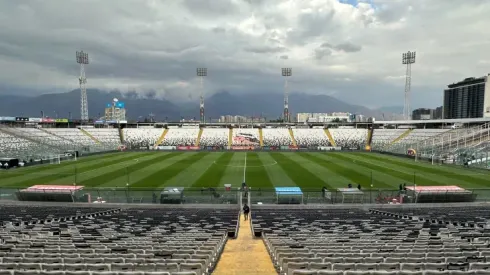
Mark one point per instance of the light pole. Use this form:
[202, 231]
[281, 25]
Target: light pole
[201, 73]
[286, 72]
[408, 59]
[82, 59]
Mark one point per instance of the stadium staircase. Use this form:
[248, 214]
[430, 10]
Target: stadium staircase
[245, 255]
[402, 136]
[89, 135]
[55, 135]
[330, 137]
[162, 137]
[369, 139]
[261, 138]
[198, 140]
[121, 135]
[230, 137]
[292, 137]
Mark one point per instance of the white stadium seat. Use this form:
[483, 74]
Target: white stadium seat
[214, 137]
[276, 137]
[310, 137]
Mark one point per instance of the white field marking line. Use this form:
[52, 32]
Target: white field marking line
[245, 167]
[242, 166]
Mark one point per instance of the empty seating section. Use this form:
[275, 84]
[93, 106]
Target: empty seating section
[421, 134]
[349, 138]
[384, 137]
[121, 241]
[72, 134]
[276, 137]
[12, 146]
[461, 215]
[311, 137]
[141, 137]
[180, 137]
[245, 136]
[214, 137]
[107, 136]
[353, 241]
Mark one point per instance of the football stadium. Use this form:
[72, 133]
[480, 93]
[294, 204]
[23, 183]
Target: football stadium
[173, 198]
[153, 181]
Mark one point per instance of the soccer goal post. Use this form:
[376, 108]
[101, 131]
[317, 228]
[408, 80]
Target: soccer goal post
[57, 159]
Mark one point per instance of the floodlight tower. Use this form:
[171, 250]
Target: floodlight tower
[286, 72]
[82, 59]
[408, 59]
[202, 72]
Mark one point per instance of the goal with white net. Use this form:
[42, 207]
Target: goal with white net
[57, 159]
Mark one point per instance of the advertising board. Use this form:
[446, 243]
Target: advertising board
[329, 148]
[242, 147]
[161, 147]
[21, 119]
[7, 118]
[186, 148]
[61, 120]
[47, 120]
[35, 119]
[293, 147]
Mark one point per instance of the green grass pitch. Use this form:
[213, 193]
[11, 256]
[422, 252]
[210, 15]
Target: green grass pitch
[307, 170]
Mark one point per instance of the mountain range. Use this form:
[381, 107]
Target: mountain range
[268, 105]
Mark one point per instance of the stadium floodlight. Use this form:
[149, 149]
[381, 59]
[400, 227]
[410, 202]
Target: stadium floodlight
[286, 72]
[408, 59]
[201, 73]
[82, 59]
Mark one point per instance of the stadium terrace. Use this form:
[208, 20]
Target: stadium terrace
[166, 198]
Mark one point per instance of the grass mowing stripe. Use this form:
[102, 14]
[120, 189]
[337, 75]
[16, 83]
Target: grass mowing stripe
[212, 177]
[408, 177]
[58, 176]
[301, 176]
[99, 180]
[46, 167]
[351, 174]
[466, 178]
[161, 176]
[255, 174]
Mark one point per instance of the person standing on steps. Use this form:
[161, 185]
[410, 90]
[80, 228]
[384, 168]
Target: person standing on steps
[246, 210]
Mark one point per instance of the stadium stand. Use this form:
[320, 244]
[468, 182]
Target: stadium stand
[276, 137]
[71, 134]
[141, 137]
[421, 134]
[180, 137]
[349, 138]
[107, 136]
[80, 240]
[215, 137]
[311, 137]
[351, 241]
[384, 137]
[12, 146]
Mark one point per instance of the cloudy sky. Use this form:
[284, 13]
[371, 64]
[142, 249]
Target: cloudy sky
[346, 48]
